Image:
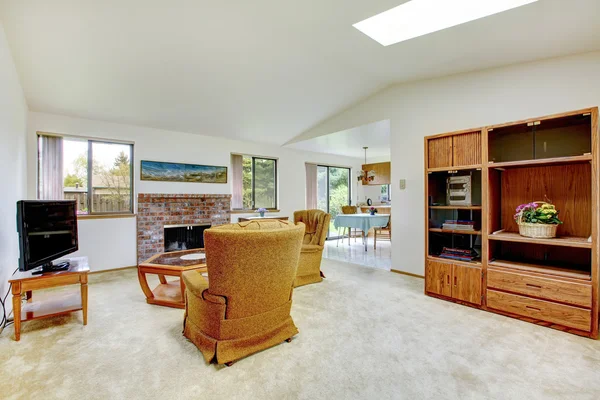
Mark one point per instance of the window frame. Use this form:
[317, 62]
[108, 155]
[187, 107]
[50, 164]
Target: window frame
[253, 159]
[389, 191]
[275, 184]
[90, 167]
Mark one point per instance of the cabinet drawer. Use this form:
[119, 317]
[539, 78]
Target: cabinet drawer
[569, 316]
[579, 294]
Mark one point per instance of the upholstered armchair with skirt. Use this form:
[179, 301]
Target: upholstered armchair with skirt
[317, 225]
[244, 306]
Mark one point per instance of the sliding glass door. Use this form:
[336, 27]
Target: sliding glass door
[333, 192]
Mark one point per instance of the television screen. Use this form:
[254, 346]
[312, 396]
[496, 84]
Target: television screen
[47, 231]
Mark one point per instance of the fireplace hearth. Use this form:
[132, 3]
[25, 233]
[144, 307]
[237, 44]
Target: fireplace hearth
[158, 210]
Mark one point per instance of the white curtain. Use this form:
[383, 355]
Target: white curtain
[237, 181]
[51, 168]
[311, 186]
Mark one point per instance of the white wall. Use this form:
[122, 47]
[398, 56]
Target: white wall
[13, 118]
[462, 102]
[111, 243]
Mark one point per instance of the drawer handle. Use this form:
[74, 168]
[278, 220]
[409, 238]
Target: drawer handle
[533, 308]
[455, 281]
[533, 286]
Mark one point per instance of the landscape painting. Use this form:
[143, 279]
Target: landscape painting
[177, 172]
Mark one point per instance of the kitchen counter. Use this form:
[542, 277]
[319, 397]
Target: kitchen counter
[385, 206]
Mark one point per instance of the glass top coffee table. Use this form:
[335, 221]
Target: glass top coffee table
[170, 294]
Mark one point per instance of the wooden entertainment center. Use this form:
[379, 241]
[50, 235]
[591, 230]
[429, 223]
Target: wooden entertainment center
[550, 282]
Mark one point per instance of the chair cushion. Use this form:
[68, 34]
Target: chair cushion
[317, 223]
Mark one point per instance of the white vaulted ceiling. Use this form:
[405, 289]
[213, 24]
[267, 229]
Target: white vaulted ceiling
[375, 136]
[263, 70]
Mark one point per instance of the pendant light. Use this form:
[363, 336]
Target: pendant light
[364, 175]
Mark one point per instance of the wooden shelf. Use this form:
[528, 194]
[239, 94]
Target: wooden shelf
[550, 282]
[455, 207]
[565, 241]
[448, 260]
[542, 161]
[458, 232]
[461, 168]
[542, 269]
[48, 306]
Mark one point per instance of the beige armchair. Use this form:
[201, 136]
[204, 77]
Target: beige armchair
[317, 225]
[244, 307]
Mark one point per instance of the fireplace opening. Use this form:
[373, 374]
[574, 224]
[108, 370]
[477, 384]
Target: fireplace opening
[184, 237]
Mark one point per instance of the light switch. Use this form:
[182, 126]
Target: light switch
[402, 184]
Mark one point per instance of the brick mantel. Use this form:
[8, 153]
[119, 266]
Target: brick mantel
[155, 210]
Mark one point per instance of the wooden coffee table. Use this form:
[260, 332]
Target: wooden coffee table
[169, 294]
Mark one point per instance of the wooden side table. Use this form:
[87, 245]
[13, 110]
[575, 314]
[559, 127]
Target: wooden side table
[25, 282]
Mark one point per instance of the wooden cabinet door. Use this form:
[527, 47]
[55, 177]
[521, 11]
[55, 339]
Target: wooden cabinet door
[382, 173]
[439, 152]
[438, 277]
[466, 283]
[466, 149]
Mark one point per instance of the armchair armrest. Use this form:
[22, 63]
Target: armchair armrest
[195, 282]
[311, 248]
[214, 298]
[198, 285]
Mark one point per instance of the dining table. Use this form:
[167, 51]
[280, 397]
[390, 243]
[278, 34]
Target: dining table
[363, 222]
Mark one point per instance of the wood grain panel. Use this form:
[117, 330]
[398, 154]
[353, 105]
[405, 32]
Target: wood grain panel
[466, 149]
[494, 201]
[438, 276]
[568, 187]
[595, 224]
[440, 152]
[579, 294]
[466, 283]
[382, 173]
[573, 317]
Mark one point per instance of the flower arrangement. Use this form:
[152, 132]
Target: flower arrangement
[373, 210]
[531, 213]
[262, 211]
[537, 219]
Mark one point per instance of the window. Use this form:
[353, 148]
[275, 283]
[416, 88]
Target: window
[386, 193]
[254, 182]
[95, 173]
[333, 192]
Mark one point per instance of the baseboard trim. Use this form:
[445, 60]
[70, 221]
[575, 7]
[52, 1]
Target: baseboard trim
[397, 271]
[112, 270]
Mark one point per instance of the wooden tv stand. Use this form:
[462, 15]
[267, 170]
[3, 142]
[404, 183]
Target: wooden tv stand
[26, 282]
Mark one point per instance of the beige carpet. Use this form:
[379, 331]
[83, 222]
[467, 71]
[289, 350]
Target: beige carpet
[364, 333]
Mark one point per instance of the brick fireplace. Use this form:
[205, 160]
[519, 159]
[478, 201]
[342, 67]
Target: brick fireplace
[156, 210]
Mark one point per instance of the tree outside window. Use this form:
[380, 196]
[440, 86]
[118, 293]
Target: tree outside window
[259, 183]
[102, 186]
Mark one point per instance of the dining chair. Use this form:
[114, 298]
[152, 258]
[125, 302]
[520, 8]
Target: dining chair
[383, 233]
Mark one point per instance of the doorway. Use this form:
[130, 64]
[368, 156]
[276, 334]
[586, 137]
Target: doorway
[333, 192]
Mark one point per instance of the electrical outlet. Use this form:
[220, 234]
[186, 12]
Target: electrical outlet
[402, 184]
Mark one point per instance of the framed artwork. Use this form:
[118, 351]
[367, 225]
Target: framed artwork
[178, 172]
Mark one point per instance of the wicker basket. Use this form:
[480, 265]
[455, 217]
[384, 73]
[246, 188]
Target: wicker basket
[542, 231]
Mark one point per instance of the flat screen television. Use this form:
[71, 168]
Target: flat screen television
[47, 231]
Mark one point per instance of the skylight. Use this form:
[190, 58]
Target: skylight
[421, 17]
